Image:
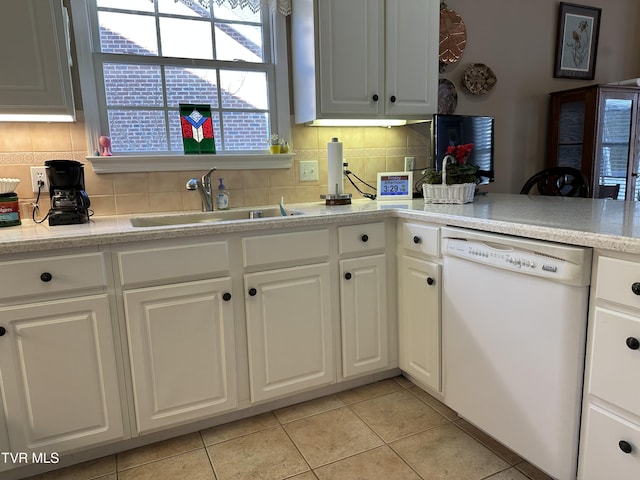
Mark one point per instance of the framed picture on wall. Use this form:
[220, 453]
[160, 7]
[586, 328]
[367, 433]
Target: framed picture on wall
[577, 41]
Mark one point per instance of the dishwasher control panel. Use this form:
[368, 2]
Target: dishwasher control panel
[567, 264]
[504, 256]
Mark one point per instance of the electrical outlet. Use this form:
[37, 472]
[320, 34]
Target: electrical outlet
[309, 171]
[39, 174]
[409, 163]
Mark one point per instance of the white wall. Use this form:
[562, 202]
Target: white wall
[517, 39]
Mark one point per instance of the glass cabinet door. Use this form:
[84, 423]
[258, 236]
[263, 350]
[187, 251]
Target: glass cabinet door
[596, 129]
[571, 134]
[615, 149]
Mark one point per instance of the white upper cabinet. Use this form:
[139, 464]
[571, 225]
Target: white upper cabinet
[412, 39]
[35, 78]
[351, 47]
[365, 59]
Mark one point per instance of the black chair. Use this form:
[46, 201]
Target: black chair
[559, 182]
[609, 191]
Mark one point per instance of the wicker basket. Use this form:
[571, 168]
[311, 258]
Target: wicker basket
[456, 193]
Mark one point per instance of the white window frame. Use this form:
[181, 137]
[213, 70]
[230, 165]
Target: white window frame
[172, 161]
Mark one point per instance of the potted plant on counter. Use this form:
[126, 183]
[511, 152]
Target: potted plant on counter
[455, 182]
[274, 143]
[278, 144]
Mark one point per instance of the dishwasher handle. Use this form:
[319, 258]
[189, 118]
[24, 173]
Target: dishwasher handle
[497, 246]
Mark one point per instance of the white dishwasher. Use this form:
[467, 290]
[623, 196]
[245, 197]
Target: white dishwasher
[514, 323]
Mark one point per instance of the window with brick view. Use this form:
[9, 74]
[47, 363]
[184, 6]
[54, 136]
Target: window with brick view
[152, 55]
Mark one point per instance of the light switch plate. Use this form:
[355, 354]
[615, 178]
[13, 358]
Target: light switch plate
[409, 164]
[309, 171]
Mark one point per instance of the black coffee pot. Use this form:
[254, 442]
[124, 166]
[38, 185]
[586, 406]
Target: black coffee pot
[69, 201]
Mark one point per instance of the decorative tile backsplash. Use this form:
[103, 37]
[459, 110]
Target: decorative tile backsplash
[368, 150]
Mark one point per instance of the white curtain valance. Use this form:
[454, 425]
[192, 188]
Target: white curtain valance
[282, 6]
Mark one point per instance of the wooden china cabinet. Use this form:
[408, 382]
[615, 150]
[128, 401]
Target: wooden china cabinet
[595, 129]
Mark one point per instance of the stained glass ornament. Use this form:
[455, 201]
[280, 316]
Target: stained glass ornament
[197, 129]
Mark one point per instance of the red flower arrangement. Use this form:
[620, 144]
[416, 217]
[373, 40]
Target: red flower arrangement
[460, 152]
[458, 171]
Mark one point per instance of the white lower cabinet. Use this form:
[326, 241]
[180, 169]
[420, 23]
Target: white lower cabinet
[368, 340]
[419, 292]
[363, 310]
[610, 447]
[610, 434]
[162, 322]
[289, 330]
[419, 322]
[5, 446]
[181, 344]
[616, 347]
[59, 375]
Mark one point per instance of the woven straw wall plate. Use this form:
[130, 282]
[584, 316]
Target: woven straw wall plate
[479, 79]
[447, 96]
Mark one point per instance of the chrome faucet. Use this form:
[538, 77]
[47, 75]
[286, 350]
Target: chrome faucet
[204, 187]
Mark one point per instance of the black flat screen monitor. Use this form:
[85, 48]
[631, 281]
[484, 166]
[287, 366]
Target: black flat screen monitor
[462, 129]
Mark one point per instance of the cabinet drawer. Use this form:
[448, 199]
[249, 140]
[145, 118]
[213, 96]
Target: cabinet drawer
[361, 238]
[615, 359]
[615, 281]
[601, 455]
[45, 275]
[420, 238]
[172, 263]
[285, 247]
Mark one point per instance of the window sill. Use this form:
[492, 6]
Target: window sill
[172, 163]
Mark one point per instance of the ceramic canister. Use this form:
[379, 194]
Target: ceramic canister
[9, 210]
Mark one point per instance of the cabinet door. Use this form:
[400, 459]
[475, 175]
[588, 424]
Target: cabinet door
[616, 153]
[571, 130]
[4, 440]
[609, 447]
[59, 377]
[181, 345]
[614, 349]
[363, 309]
[351, 59]
[289, 330]
[35, 76]
[419, 322]
[595, 129]
[411, 57]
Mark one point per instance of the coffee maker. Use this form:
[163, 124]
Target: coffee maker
[69, 202]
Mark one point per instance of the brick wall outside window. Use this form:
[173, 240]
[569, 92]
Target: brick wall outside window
[144, 128]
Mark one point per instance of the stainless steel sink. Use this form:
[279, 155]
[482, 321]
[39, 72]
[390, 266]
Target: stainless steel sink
[209, 217]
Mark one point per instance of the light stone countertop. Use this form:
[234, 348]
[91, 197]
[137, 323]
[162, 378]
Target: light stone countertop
[606, 224]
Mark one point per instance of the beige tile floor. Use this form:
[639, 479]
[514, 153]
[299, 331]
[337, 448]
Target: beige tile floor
[387, 430]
